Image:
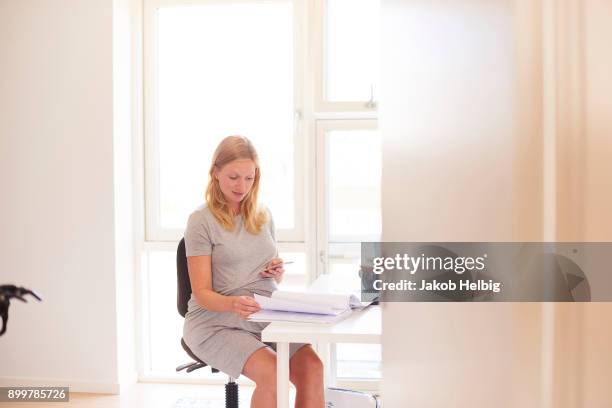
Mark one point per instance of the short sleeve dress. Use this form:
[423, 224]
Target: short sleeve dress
[224, 340]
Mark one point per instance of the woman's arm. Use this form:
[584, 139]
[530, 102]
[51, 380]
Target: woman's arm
[200, 275]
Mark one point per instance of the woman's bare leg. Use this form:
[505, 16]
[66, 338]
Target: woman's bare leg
[306, 373]
[261, 368]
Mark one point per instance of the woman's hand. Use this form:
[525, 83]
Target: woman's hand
[274, 269]
[244, 306]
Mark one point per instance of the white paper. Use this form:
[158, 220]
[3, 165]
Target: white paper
[286, 305]
[331, 300]
[275, 315]
[318, 306]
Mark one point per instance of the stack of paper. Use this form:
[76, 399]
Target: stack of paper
[305, 307]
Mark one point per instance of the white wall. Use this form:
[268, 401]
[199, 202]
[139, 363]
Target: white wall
[597, 109]
[465, 117]
[583, 339]
[59, 213]
[452, 118]
[460, 163]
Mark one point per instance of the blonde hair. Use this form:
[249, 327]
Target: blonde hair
[233, 148]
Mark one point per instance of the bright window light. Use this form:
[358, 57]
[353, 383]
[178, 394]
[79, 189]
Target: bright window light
[352, 49]
[224, 69]
[359, 361]
[354, 163]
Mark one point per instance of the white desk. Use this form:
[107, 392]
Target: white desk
[363, 326]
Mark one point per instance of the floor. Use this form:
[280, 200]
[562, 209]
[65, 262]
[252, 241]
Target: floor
[150, 395]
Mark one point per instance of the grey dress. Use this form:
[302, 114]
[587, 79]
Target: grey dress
[224, 340]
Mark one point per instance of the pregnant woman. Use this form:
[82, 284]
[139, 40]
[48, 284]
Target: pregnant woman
[231, 254]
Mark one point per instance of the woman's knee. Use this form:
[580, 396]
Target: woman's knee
[260, 367]
[306, 366]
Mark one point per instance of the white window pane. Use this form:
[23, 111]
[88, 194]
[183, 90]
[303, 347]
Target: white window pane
[352, 28]
[165, 322]
[361, 361]
[224, 69]
[344, 263]
[354, 177]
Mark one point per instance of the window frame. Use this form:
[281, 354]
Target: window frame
[322, 127]
[322, 104]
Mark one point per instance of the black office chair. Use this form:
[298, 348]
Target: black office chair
[183, 295]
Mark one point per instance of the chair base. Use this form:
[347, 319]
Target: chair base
[231, 394]
[231, 387]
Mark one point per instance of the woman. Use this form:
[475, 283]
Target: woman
[231, 254]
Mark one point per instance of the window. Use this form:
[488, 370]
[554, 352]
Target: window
[216, 69]
[298, 77]
[347, 39]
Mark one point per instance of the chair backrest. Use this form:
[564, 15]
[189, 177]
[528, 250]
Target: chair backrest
[182, 279]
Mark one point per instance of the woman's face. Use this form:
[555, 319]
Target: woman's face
[236, 179]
